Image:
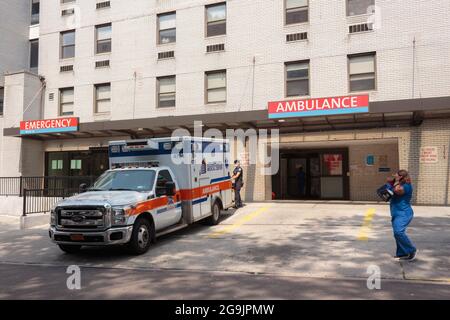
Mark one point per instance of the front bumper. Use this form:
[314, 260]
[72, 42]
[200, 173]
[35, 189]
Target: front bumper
[111, 236]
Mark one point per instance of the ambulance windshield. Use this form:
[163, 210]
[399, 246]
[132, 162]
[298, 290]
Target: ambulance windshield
[125, 180]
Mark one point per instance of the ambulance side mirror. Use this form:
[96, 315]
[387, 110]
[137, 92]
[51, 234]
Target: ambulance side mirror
[83, 188]
[170, 188]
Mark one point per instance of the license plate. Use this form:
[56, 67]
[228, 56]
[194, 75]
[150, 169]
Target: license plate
[76, 237]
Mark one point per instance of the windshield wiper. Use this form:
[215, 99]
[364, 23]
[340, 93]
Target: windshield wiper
[121, 189]
[93, 189]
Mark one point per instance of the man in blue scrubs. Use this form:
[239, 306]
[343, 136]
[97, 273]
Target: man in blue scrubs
[402, 215]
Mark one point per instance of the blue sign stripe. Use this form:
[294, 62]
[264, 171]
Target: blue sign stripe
[317, 113]
[49, 130]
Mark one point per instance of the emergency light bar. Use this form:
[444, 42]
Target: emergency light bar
[140, 145]
[135, 164]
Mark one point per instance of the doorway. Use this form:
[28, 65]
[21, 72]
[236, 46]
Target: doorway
[92, 162]
[312, 174]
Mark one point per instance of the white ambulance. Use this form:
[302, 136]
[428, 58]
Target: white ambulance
[153, 187]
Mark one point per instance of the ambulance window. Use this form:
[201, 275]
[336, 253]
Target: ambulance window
[163, 177]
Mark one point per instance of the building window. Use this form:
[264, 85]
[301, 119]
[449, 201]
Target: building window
[2, 93]
[103, 38]
[67, 1]
[166, 92]
[66, 99]
[216, 86]
[167, 28]
[35, 8]
[216, 19]
[34, 53]
[68, 44]
[297, 78]
[357, 7]
[103, 98]
[362, 72]
[296, 11]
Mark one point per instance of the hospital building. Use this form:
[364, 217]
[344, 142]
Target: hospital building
[358, 89]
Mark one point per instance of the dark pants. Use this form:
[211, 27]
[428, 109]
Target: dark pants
[237, 195]
[301, 189]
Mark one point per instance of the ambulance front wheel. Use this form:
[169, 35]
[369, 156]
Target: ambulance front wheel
[141, 237]
[215, 216]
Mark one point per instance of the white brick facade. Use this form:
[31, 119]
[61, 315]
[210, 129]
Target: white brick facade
[255, 29]
[412, 61]
[14, 30]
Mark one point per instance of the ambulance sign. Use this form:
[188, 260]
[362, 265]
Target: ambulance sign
[49, 126]
[319, 107]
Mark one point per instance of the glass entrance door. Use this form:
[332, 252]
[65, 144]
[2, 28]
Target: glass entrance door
[332, 176]
[315, 174]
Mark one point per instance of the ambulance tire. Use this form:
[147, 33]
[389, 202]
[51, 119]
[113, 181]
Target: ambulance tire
[215, 217]
[70, 248]
[141, 237]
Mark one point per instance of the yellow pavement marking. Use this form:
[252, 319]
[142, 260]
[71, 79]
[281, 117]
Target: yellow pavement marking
[238, 223]
[367, 224]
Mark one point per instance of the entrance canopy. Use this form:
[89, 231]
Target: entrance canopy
[382, 114]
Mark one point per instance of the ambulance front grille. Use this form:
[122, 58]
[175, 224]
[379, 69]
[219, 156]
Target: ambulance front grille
[78, 218]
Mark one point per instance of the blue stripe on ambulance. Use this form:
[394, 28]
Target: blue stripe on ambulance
[220, 179]
[200, 200]
[162, 210]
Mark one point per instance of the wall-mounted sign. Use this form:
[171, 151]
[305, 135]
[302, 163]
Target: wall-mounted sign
[49, 126]
[429, 155]
[381, 169]
[333, 164]
[370, 160]
[319, 107]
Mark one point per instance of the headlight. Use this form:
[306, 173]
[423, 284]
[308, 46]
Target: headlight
[52, 217]
[119, 215]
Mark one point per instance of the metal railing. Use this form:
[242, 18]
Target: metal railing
[14, 186]
[42, 200]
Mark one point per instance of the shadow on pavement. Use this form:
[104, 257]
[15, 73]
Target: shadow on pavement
[313, 247]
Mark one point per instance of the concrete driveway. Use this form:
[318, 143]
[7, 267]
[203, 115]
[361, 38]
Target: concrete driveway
[307, 239]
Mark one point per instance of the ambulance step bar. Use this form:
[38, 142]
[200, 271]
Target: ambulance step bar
[176, 227]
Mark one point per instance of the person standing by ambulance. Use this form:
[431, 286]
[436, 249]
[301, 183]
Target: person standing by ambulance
[402, 215]
[238, 183]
